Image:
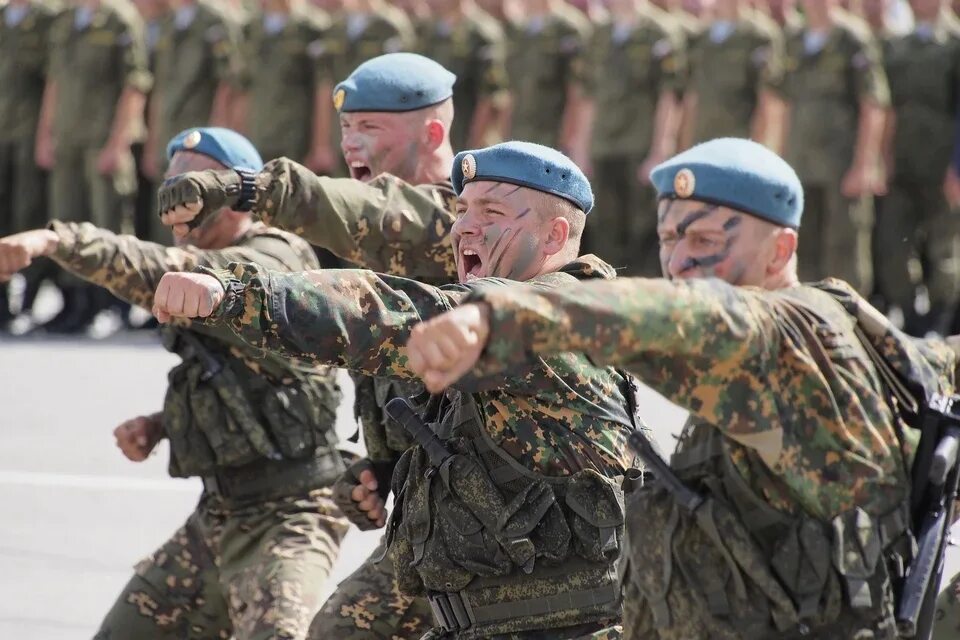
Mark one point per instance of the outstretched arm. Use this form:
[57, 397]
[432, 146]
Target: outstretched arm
[353, 319]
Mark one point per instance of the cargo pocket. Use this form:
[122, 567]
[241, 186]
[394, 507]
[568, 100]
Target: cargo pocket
[801, 561]
[190, 452]
[292, 421]
[596, 516]
[532, 527]
[469, 545]
[856, 553]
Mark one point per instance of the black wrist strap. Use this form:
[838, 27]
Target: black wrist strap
[248, 190]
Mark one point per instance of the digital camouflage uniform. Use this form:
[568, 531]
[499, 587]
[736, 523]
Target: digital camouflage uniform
[91, 67]
[730, 66]
[791, 440]
[915, 225]
[24, 48]
[191, 61]
[282, 81]
[650, 60]
[824, 91]
[475, 50]
[947, 617]
[251, 560]
[352, 40]
[531, 482]
[545, 56]
[392, 227]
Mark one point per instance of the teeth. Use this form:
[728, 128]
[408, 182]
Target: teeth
[469, 252]
[356, 164]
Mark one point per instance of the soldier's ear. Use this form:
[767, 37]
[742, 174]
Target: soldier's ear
[436, 134]
[784, 248]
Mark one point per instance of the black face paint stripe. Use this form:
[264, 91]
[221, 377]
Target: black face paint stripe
[694, 216]
[495, 267]
[732, 223]
[495, 185]
[512, 191]
[666, 210]
[524, 212]
[708, 262]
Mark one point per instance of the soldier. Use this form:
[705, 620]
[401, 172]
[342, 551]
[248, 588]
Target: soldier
[395, 114]
[196, 68]
[735, 64]
[917, 232]
[517, 535]
[362, 30]
[24, 47]
[284, 45]
[795, 469]
[546, 66]
[633, 116]
[836, 93]
[92, 113]
[251, 561]
[470, 43]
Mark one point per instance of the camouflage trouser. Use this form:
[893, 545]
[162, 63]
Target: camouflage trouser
[623, 227]
[947, 617]
[836, 237]
[253, 573]
[368, 605]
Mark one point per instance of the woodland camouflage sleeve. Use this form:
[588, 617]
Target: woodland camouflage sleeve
[129, 267]
[386, 225]
[687, 339]
[353, 319]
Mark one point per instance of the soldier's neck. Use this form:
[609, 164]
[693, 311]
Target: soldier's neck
[436, 167]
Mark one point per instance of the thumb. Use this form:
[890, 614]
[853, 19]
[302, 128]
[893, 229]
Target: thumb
[369, 480]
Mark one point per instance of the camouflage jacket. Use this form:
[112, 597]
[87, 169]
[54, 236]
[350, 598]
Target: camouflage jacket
[132, 268]
[386, 225]
[807, 437]
[555, 417]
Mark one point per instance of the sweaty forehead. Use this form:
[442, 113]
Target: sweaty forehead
[183, 161]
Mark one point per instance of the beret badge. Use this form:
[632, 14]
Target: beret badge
[469, 167]
[192, 139]
[338, 99]
[684, 183]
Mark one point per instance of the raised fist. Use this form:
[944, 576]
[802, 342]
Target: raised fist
[186, 295]
[190, 198]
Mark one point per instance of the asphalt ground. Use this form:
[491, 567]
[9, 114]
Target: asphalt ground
[75, 516]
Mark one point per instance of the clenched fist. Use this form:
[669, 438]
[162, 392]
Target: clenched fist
[137, 438]
[187, 200]
[19, 250]
[443, 349]
[186, 295]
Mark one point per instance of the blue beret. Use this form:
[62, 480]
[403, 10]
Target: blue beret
[226, 146]
[527, 165]
[394, 82]
[735, 173]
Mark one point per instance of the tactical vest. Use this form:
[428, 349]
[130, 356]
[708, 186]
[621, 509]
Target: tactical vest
[799, 573]
[496, 547]
[221, 414]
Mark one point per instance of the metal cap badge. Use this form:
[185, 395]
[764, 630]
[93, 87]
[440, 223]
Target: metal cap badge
[338, 99]
[192, 139]
[684, 183]
[469, 167]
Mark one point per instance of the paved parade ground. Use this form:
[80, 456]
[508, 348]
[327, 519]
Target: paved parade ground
[74, 514]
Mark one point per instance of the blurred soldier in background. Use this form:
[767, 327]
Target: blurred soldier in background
[734, 64]
[837, 94]
[284, 46]
[470, 43]
[24, 47]
[636, 64]
[546, 66]
[917, 230]
[91, 115]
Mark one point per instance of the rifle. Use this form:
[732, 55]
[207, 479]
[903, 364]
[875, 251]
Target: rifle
[936, 473]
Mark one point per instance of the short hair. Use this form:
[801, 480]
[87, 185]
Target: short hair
[549, 206]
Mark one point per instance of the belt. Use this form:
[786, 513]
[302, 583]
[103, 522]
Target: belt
[272, 479]
[454, 612]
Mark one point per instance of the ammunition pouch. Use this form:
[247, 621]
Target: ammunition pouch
[497, 548]
[219, 414]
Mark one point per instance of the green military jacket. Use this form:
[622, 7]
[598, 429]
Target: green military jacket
[628, 71]
[24, 49]
[92, 66]
[190, 64]
[282, 81]
[475, 50]
[542, 62]
[824, 90]
[354, 39]
[728, 75]
[132, 268]
[924, 77]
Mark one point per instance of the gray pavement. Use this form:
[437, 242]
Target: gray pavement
[74, 514]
